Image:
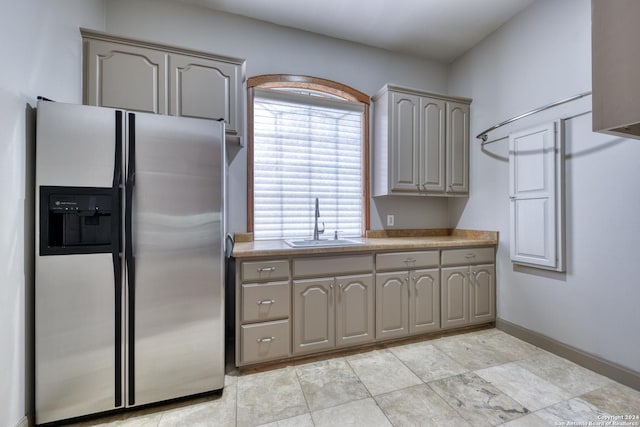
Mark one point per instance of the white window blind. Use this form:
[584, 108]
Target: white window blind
[305, 147]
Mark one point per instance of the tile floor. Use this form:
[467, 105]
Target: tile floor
[477, 378]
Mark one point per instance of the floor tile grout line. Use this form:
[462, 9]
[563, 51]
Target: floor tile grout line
[304, 396]
[237, 399]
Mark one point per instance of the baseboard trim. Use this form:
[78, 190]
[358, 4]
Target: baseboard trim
[597, 364]
[24, 422]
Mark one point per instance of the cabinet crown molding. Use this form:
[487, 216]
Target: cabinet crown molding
[418, 92]
[99, 35]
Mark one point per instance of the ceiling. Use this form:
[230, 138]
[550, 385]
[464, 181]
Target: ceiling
[440, 30]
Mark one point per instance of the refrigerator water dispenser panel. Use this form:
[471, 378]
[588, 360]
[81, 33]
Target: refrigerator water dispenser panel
[77, 220]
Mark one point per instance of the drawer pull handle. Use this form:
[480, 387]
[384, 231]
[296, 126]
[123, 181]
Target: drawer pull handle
[266, 301]
[266, 269]
[469, 256]
[267, 339]
[408, 260]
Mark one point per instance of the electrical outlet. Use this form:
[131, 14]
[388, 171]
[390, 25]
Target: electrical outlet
[390, 220]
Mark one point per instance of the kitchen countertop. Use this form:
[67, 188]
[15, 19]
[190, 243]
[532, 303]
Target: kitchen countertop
[375, 241]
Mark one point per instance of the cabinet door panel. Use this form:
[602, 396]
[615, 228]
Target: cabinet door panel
[392, 304]
[205, 89]
[424, 301]
[432, 144]
[314, 327]
[131, 78]
[483, 294]
[457, 148]
[354, 309]
[405, 130]
[455, 296]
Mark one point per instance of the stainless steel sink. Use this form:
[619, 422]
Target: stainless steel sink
[321, 243]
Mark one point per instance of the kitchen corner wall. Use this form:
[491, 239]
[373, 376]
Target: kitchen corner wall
[41, 52]
[541, 56]
[275, 49]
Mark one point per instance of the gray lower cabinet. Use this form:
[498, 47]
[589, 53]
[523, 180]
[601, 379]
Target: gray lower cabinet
[392, 304]
[314, 315]
[332, 312]
[311, 304]
[468, 287]
[408, 300]
[263, 311]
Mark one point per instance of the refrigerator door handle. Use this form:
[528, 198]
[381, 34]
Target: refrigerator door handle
[116, 244]
[129, 255]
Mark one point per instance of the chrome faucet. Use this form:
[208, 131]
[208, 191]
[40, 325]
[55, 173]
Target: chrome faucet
[316, 231]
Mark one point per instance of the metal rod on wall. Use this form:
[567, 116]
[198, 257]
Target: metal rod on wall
[483, 135]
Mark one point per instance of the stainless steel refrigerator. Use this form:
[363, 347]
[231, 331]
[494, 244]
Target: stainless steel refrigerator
[129, 259]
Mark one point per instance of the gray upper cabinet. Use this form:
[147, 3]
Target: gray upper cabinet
[205, 89]
[421, 143]
[615, 67]
[432, 145]
[405, 128]
[128, 77]
[155, 78]
[457, 148]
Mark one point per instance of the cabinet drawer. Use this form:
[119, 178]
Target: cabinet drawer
[265, 270]
[407, 260]
[468, 256]
[332, 266]
[265, 301]
[264, 341]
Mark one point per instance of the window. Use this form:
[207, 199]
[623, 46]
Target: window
[308, 140]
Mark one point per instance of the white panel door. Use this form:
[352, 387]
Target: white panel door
[534, 180]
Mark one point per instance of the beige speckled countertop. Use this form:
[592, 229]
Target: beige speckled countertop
[375, 241]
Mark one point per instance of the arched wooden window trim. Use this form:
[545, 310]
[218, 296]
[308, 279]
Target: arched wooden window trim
[312, 83]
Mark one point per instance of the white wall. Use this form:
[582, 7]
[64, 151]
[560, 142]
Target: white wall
[540, 56]
[274, 49]
[41, 52]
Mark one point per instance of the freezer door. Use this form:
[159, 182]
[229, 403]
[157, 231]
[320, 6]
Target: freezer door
[175, 264]
[77, 298]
